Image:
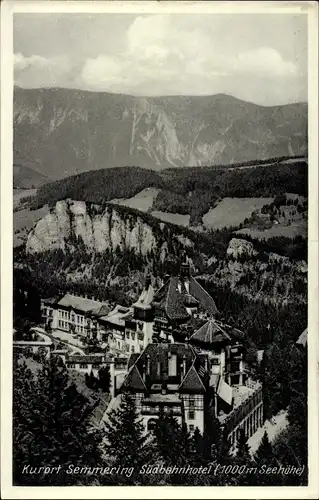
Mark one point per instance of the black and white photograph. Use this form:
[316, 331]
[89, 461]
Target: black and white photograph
[160, 249]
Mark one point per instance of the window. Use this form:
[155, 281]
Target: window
[71, 365]
[191, 428]
[132, 348]
[191, 415]
[151, 424]
[192, 403]
[83, 365]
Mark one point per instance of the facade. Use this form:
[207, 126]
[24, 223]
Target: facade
[94, 362]
[86, 363]
[74, 314]
[224, 347]
[247, 413]
[168, 377]
[123, 330]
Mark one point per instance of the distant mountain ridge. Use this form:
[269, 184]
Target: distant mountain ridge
[63, 132]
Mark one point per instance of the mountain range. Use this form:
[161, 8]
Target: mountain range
[61, 132]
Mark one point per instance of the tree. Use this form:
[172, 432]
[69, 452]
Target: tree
[33, 305]
[264, 457]
[242, 447]
[125, 442]
[51, 426]
[264, 453]
[105, 379]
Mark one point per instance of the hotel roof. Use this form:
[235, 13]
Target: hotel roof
[178, 293]
[213, 332]
[82, 304]
[117, 316]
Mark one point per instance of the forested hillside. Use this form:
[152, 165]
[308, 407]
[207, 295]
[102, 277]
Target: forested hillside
[183, 189]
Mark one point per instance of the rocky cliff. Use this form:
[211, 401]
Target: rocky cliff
[63, 132]
[73, 223]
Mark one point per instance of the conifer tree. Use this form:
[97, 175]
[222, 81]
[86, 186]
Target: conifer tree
[125, 440]
[105, 379]
[264, 457]
[51, 426]
[264, 452]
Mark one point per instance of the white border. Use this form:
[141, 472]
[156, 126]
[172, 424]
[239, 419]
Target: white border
[7, 9]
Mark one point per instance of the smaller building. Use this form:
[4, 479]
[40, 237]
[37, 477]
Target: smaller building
[86, 363]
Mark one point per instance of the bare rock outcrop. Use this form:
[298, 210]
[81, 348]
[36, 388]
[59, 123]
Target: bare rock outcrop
[238, 247]
[71, 222]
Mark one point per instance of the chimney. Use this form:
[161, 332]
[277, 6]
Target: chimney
[183, 367]
[172, 364]
[148, 364]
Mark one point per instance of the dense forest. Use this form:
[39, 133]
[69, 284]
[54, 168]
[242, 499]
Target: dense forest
[199, 185]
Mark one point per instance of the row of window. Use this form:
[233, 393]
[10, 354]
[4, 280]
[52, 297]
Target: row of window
[130, 334]
[78, 318]
[82, 365]
[156, 409]
[65, 325]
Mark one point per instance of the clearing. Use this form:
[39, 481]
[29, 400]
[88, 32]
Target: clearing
[295, 229]
[178, 219]
[233, 211]
[142, 201]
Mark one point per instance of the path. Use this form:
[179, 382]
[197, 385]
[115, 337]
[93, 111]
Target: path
[274, 426]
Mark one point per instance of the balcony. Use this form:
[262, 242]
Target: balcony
[155, 410]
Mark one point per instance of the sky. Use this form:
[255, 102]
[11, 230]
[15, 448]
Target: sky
[256, 57]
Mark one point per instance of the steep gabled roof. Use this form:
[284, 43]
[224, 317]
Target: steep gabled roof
[174, 296]
[192, 382]
[132, 359]
[175, 307]
[205, 300]
[134, 381]
[211, 332]
[102, 311]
